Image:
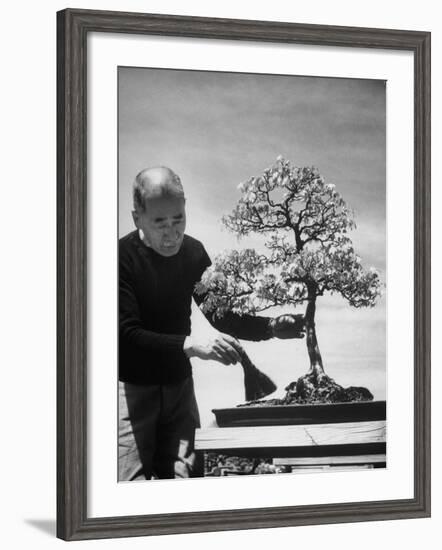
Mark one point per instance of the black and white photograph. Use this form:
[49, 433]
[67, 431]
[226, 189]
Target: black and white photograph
[252, 274]
[219, 316]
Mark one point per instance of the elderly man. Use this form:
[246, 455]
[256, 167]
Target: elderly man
[159, 266]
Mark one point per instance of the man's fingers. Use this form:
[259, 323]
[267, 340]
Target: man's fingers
[289, 319]
[227, 350]
[289, 326]
[220, 357]
[222, 350]
[291, 332]
[234, 344]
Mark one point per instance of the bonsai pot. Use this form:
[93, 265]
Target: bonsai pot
[318, 413]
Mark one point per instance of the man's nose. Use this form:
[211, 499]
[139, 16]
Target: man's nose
[170, 231]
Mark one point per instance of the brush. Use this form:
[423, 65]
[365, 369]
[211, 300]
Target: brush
[256, 384]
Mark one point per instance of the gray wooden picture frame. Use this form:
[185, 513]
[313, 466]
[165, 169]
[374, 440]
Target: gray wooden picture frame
[73, 27]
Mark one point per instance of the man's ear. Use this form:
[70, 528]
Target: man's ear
[135, 217]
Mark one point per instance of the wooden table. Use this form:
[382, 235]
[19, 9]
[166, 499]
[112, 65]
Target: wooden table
[302, 446]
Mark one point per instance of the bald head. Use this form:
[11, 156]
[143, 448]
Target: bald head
[156, 182]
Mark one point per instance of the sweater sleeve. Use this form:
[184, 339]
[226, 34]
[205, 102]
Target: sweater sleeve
[131, 330]
[244, 327]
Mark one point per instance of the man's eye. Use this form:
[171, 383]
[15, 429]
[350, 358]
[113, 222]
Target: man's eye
[165, 225]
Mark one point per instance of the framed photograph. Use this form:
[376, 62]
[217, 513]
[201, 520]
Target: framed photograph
[243, 274]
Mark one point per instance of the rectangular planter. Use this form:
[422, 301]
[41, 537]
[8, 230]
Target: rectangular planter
[300, 414]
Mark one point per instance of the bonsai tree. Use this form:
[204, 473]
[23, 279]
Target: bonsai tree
[307, 253]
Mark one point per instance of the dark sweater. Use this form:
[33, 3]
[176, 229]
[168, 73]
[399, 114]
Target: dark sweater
[155, 296]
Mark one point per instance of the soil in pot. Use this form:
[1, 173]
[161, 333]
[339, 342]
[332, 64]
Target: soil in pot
[314, 388]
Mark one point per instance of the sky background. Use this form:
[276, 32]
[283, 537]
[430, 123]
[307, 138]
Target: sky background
[216, 130]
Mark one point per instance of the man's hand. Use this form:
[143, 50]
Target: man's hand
[219, 347]
[288, 326]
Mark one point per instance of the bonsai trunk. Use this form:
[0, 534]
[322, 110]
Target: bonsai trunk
[315, 386]
[316, 367]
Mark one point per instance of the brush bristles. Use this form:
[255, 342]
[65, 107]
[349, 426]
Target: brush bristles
[256, 384]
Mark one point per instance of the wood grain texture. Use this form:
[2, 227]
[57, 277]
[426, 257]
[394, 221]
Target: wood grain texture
[330, 468]
[71, 276]
[319, 413]
[330, 460]
[315, 435]
[73, 27]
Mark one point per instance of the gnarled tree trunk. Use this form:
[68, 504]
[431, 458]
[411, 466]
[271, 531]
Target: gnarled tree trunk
[316, 371]
[315, 385]
[316, 366]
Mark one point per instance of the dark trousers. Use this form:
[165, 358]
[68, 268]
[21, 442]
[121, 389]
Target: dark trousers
[156, 432]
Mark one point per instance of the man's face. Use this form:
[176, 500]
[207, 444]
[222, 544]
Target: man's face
[163, 223]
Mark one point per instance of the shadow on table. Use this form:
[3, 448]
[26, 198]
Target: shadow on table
[47, 526]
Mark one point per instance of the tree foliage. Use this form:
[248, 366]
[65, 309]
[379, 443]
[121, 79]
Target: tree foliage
[309, 252]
